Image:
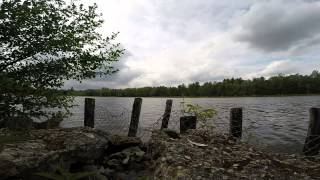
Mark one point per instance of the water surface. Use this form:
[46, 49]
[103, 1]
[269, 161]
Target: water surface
[274, 123]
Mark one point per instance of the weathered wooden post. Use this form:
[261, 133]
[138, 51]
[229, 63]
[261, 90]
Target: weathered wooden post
[312, 143]
[89, 105]
[236, 122]
[187, 122]
[135, 115]
[166, 115]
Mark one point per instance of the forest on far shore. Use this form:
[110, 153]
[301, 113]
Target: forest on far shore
[276, 85]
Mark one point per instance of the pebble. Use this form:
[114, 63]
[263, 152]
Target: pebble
[230, 171]
[187, 157]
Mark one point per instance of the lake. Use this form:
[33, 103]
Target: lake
[278, 124]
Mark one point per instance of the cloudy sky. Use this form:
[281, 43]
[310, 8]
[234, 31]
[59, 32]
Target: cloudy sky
[170, 42]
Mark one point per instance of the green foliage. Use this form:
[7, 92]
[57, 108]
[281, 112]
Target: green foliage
[277, 85]
[202, 114]
[43, 44]
[179, 174]
[63, 174]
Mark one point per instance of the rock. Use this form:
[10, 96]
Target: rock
[18, 123]
[90, 168]
[194, 155]
[121, 176]
[209, 156]
[77, 148]
[171, 133]
[9, 170]
[51, 123]
[118, 143]
[187, 157]
[114, 164]
[126, 156]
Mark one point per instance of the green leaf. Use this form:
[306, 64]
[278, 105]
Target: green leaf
[42, 47]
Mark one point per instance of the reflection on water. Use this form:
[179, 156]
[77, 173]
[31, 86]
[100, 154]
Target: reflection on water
[276, 123]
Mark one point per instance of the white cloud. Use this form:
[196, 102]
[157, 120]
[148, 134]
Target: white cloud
[173, 42]
[283, 67]
[275, 68]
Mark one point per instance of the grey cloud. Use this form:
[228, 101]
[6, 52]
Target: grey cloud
[119, 79]
[204, 77]
[123, 77]
[279, 26]
[311, 1]
[303, 48]
[194, 20]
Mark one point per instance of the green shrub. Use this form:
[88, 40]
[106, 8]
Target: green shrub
[202, 114]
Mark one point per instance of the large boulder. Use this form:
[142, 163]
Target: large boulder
[45, 150]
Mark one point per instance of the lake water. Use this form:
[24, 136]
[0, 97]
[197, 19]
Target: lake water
[275, 123]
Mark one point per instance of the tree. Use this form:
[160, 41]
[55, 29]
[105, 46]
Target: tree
[43, 44]
[194, 88]
[315, 74]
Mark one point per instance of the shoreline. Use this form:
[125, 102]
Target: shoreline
[218, 97]
[196, 154]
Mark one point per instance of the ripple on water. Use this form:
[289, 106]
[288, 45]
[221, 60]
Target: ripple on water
[279, 123]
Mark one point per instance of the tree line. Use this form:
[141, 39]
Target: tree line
[276, 85]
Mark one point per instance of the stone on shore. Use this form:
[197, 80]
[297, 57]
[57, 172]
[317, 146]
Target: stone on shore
[197, 154]
[74, 148]
[206, 156]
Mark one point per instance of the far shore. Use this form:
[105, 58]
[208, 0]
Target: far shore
[257, 96]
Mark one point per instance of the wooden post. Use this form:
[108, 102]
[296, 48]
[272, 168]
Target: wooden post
[89, 105]
[187, 122]
[236, 122]
[312, 143]
[166, 115]
[135, 115]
